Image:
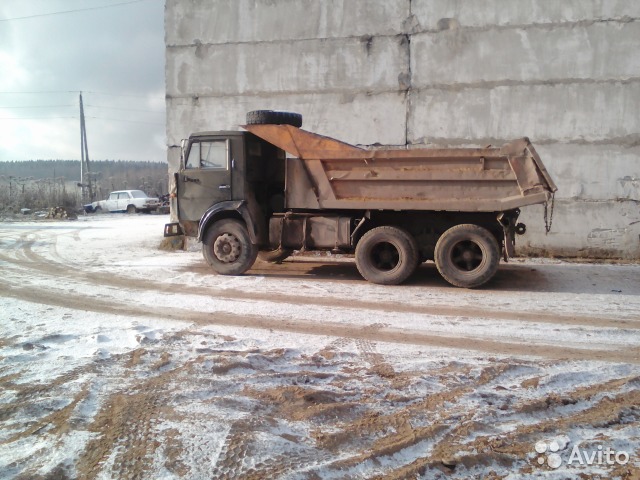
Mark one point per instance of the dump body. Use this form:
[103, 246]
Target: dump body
[324, 173]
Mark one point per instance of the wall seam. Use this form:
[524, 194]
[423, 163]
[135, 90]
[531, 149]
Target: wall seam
[454, 87]
[468, 28]
[488, 85]
[630, 141]
[409, 89]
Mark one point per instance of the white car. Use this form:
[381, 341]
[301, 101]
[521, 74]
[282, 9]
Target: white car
[130, 201]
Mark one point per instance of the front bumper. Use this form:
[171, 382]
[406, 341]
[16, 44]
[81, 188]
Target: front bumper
[172, 230]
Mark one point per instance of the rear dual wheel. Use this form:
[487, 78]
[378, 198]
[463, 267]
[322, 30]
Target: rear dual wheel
[387, 255]
[467, 255]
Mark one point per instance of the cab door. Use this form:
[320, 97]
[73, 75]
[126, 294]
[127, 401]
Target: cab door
[205, 177]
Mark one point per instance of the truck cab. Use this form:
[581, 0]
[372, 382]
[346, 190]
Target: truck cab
[229, 175]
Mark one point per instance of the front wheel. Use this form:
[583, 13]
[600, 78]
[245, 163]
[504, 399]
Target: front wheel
[467, 255]
[131, 209]
[227, 247]
[387, 255]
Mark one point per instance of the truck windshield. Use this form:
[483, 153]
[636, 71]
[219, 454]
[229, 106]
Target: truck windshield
[212, 154]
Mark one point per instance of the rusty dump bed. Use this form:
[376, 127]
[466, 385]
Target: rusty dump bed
[329, 174]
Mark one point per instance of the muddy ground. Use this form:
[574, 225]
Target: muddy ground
[118, 360]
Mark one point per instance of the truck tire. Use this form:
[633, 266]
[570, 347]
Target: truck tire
[274, 256]
[227, 247]
[467, 255]
[387, 255]
[271, 117]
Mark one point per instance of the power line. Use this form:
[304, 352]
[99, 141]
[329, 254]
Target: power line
[37, 118]
[39, 92]
[118, 94]
[76, 117]
[126, 109]
[71, 11]
[47, 92]
[126, 121]
[42, 106]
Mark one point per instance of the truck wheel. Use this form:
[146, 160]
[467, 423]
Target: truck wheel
[131, 209]
[467, 255]
[274, 256]
[271, 117]
[227, 247]
[387, 255]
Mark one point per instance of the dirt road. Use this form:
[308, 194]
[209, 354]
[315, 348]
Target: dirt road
[120, 360]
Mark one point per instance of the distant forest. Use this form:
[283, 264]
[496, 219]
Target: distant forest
[47, 183]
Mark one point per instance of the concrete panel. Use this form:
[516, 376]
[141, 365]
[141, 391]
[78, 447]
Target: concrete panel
[565, 73]
[584, 229]
[173, 159]
[228, 21]
[580, 113]
[431, 13]
[593, 172]
[357, 119]
[536, 54]
[369, 64]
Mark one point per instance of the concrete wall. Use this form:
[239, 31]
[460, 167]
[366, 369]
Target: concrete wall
[435, 72]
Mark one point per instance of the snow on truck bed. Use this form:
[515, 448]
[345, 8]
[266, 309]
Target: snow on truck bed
[121, 360]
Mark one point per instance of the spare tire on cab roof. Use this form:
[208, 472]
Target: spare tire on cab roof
[267, 117]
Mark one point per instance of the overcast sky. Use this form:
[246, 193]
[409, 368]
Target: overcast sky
[114, 55]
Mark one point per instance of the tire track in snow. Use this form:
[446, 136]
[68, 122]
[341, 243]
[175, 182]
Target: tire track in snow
[125, 440]
[51, 267]
[390, 335]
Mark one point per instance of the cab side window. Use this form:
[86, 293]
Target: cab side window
[113, 196]
[210, 155]
[124, 196]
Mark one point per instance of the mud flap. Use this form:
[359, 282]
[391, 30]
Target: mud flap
[508, 222]
[509, 249]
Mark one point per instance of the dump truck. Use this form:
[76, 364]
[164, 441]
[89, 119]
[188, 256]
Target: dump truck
[274, 188]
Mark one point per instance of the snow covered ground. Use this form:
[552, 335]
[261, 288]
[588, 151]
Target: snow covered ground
[120, 360]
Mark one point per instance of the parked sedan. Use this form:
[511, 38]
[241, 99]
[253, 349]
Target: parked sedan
[130, 201]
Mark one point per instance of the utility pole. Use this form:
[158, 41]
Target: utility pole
[85, 172]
